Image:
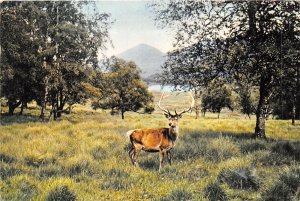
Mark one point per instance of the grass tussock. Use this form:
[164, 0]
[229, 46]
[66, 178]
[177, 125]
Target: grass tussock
[85, 157]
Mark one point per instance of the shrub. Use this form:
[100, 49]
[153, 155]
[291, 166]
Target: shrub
[61, 193]
[214, 192]
[285, 187]
[178, 194]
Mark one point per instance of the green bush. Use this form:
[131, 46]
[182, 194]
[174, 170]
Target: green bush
[61, 193]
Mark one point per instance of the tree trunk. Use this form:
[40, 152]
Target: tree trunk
[12, 106]
[260, 112]
[219, 115]
[22, 108]
[293, 114]
[42, 115]
[44, 103]
[197, 103]
[60, 109]
[122, 113]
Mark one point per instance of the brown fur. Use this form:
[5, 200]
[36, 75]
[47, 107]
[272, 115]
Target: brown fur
[160, 140]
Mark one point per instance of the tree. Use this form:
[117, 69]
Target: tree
[182, 70]
[122, 89]
[216, 97]
[62, 44]
[242, 37]
[247, 99]
[19, 75]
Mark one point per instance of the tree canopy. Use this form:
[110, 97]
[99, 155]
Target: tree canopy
[122, 89]
[62, 44]
[234, 40]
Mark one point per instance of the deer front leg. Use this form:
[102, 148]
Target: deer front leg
[161, 159]
[170, 156]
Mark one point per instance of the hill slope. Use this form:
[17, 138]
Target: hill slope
[148, 59]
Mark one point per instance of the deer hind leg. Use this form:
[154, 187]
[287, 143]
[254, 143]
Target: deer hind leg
[134, 152]
[170, 156]
[161, 160]
[131, 154]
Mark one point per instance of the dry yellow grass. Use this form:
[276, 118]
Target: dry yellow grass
[87, 153]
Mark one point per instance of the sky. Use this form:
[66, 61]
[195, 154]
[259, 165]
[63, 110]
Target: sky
[134, 24]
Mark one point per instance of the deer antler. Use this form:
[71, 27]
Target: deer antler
[188, 109]
[158, 104]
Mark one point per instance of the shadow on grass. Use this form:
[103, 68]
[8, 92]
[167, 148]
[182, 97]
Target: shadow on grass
[11, 119]
[212, 135]
[148, 163]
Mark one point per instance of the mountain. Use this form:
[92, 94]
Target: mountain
[148, 58]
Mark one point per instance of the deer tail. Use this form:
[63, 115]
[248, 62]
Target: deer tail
[128, 134]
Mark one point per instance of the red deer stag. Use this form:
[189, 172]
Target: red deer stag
[160, 140]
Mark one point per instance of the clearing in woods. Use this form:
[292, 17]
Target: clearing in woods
[85, 157]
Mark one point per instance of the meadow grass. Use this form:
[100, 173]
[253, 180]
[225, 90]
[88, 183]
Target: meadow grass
[84, 157]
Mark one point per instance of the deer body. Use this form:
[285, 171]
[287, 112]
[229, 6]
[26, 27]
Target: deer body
[153, 139]
[160, 140]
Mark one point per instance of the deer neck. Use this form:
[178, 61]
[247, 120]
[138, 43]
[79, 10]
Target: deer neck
[173, 132]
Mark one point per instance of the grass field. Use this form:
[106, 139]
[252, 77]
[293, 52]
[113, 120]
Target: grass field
[84, 157]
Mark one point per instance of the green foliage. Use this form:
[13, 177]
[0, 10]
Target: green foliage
[258, 45]
[53, 50]
[122, 89]
[247, 100]
[62, 193]
[216, 97]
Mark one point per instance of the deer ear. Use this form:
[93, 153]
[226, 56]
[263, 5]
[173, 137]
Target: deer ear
[167, 115]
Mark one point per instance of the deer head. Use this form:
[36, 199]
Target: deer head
[173, 118]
